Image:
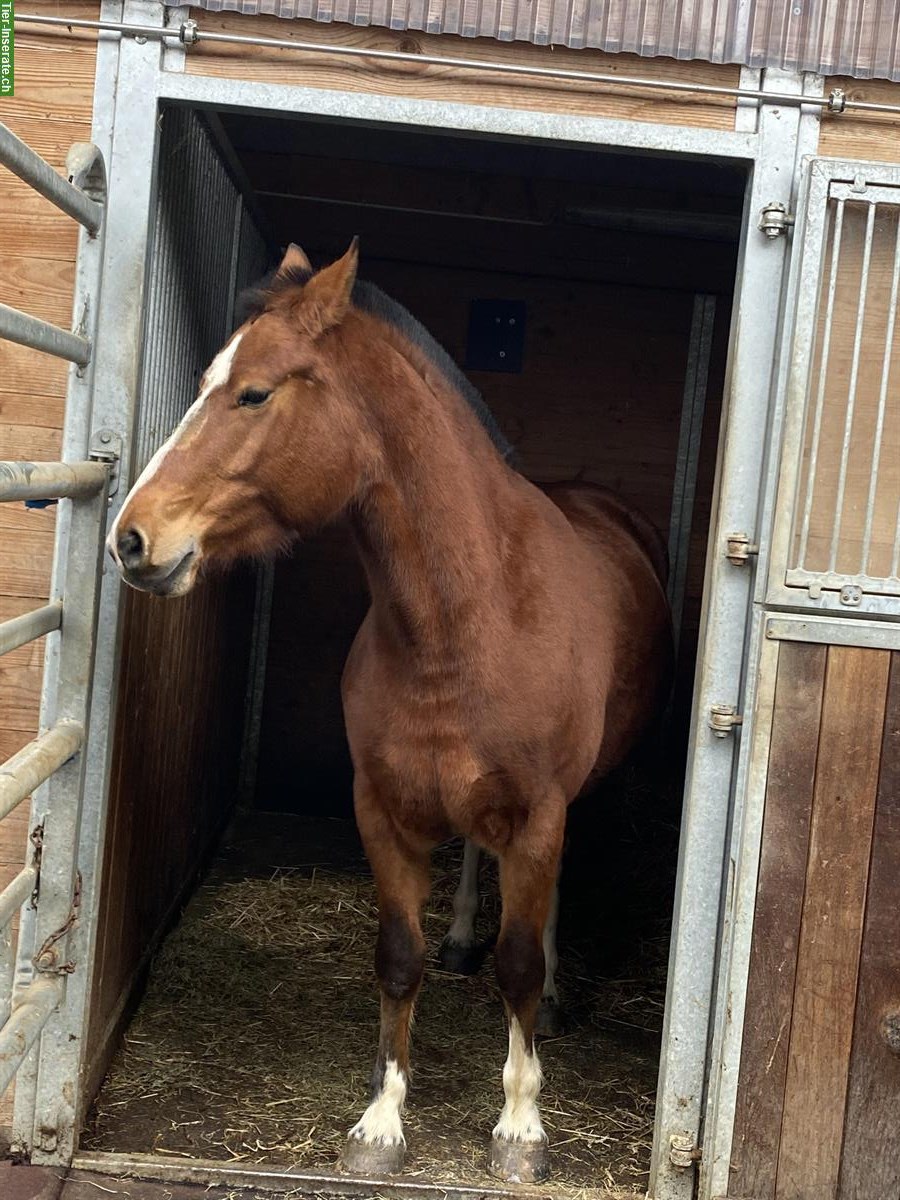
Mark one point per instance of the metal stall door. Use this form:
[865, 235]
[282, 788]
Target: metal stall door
[203, 246]
[792, 1100]
[47, 891]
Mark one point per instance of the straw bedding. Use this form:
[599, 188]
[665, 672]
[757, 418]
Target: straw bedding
[255, 1039]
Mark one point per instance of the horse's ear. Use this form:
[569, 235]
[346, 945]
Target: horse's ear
[326, 297]
[294, 260]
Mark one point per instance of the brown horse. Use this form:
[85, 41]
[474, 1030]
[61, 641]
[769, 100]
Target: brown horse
[516, 643]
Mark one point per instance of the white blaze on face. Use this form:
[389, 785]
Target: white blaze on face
[216, 375]
[520, 1120]
[380, 1124]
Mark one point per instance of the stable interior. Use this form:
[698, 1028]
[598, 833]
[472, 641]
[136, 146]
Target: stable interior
[588, 295]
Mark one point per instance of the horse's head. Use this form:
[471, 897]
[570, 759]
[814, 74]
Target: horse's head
[271, 444]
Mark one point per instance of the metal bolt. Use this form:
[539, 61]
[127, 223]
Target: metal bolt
[851, 595]
[105, 437]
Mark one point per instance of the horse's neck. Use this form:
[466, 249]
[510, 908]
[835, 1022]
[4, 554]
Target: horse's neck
[429, 528]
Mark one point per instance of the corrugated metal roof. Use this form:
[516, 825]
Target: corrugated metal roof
[835, 37]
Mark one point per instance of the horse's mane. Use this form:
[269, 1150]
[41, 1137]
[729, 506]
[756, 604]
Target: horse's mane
[371, 299]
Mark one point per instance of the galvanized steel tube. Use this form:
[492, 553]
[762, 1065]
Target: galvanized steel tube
[11, 900]
[51, 480]
[37, 173]
[29, 1017]
[36, 762]
[18, 631]
[30, 331]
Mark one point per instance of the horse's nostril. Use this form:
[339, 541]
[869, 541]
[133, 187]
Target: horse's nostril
[130, 547]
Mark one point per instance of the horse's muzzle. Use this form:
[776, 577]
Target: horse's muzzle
[136, 566]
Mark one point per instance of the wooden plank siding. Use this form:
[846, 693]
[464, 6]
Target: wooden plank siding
[779, 903]
[50, 110]
[874, 137]
[818, 1086]
[464, 87]
[870, 1167]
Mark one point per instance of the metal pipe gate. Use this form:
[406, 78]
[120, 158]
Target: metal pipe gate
[47, 889]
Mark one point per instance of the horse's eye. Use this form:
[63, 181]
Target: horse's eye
[252, 398]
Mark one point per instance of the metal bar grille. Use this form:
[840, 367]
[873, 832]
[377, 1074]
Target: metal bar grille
[846, 536]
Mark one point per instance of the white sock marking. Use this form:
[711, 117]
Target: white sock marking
[380, 1124]
[465, 899]
[215, 376]
[520, 1120]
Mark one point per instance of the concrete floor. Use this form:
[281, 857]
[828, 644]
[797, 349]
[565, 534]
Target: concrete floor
[55, 1183]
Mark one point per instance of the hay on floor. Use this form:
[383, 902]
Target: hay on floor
[255, 1040]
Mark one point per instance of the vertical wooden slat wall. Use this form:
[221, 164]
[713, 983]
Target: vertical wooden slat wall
[50, 110]
[818, 1084]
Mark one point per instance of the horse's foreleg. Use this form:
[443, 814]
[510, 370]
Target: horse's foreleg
[459, 952]
[527, 878]
[376, 1144]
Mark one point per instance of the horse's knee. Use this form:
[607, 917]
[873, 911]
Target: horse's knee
[399, 957]
[519, 962]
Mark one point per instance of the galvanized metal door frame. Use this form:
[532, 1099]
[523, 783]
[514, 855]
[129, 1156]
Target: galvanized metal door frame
[775, 619]
[132, 80]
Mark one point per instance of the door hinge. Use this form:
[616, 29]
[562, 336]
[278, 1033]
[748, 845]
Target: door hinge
[723, 718]
[774, 219]
[683, 1152]
[739, 547]
[106, 446]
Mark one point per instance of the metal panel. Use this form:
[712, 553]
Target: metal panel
[191, 269]
[832, 37]
[837, 536]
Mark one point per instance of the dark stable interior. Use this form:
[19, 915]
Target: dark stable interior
[586, 294]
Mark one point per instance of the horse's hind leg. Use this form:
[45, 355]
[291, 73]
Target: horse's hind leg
[550, 1021]
[376, 1144]
[528, 872]
[459, 951]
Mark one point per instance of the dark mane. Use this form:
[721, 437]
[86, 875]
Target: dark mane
[371, 299]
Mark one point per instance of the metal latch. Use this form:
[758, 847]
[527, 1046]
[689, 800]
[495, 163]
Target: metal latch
[723, 718]
[682, 1151]
[106, 446]
[739, 548]
[189, 33]
[774, 219]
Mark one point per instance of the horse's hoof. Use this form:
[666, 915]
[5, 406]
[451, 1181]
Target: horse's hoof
[459, 959]
[520, 1162]
[374, 1159]
[551, 1020]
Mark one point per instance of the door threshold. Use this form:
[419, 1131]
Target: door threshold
[173, 1169]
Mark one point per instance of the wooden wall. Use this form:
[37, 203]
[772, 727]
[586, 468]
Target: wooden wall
[819, 1086]
[470, 86]
[173, 783]
[871, 136]
[50, 110]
